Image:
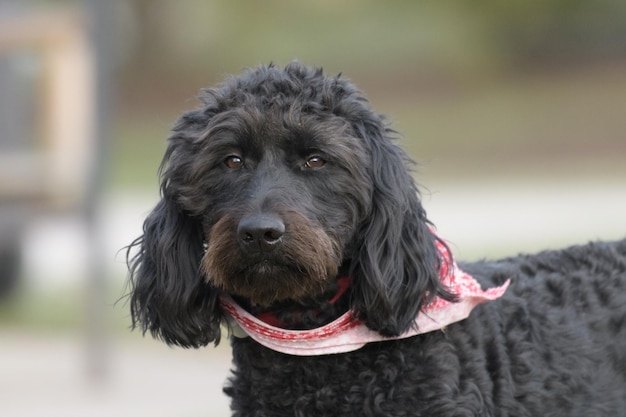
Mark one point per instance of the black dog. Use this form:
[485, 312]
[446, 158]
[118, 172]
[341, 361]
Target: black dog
[286, 201]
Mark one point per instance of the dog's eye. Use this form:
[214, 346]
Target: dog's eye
[234, 162]
[315, 161]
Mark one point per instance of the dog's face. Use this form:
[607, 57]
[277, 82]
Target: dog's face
[284, 197]
[281, 181]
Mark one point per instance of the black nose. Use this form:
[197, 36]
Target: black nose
[260, 231]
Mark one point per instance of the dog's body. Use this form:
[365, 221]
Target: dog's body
[554, 345]
[284, 186]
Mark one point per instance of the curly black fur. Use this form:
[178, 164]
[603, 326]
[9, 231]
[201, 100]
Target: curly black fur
[282, 181]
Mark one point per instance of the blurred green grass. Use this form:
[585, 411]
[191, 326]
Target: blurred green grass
[545, 115]
[50, 310]
[64, 309]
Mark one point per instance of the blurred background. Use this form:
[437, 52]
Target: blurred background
[515, 111]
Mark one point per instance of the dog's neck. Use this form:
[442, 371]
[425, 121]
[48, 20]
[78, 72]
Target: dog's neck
[309, 313]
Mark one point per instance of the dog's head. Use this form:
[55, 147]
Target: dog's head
[282, 180]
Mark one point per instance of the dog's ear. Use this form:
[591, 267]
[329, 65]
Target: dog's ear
[396, 270]
[169, 295]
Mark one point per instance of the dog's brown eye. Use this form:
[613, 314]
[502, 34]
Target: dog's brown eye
[234, 162]
[315, 162]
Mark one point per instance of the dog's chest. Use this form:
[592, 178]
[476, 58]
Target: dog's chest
[374, 380]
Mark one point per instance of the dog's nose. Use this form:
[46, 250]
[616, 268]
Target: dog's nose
[262, 231]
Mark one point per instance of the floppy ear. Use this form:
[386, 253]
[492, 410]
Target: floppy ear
[396, 270]
[168, 294]
[169, 297]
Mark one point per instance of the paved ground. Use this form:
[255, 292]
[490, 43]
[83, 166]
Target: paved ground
[44, 374]
[495, 219]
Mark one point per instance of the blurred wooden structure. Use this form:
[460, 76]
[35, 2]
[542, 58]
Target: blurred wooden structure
[51, 146]
[53, 170]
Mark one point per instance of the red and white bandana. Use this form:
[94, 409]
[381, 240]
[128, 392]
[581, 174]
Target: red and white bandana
[348, 333]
